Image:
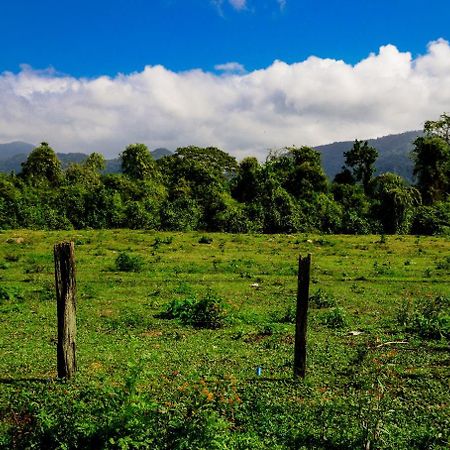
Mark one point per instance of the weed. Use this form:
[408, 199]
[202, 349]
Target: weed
[205, 240]
[287, 317]
[335, 318]
[10, 294]
[162, 241]
[383, 269]
[47, 291]
[184, 288]
[322, 299]
[443, 264]
[428, 318]
[207, 312]
[129, 263]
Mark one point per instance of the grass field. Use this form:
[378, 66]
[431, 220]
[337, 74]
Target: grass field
[378, 353]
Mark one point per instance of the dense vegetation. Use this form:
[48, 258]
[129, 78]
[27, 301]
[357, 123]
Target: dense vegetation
[172, 328]
[206, 189]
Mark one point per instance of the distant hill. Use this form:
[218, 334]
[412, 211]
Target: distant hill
[393, 152]
[13, 154]
[159, 153]
[12, 149]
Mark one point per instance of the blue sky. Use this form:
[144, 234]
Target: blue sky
[243, 75]
[95, 37]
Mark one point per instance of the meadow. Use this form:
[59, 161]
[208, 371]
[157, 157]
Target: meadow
[151, 374]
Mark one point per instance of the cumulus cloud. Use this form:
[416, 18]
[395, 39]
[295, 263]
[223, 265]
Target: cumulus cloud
[230, 67]
[311, 102]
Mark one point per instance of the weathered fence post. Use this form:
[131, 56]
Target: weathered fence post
[304, 268]
[65, 284]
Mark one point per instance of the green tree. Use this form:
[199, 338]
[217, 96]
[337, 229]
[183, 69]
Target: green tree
[439, 128]
[361, 159]
[431, 156]
[95, 162]
[246, 185]
[42, 166]
[221, 165]
[87, 173]
[299, 171]
[395, 202]
[198, 166]
[137, 162]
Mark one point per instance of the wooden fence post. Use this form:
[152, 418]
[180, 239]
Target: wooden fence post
[65, 283]
[304, 268]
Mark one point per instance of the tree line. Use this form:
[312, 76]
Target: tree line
[207, 189]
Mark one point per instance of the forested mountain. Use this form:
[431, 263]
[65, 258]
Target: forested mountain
[13, 154]
[393, 153]
[13, 149]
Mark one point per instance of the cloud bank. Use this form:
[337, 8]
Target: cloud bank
[312, 102]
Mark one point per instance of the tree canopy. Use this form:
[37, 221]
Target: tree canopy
[360, 159]
[42, 166]
[431, 156]
[137, 162]
[206, 189]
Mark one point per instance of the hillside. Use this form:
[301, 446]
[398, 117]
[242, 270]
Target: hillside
[13, 149]
[393, 152]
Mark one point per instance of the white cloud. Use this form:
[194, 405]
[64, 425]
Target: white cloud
[230, 67]
[312, 102]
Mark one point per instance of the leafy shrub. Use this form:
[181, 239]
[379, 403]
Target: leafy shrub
[432, 219]
[206, 312]
[47, 291]
[160, 241]
[322, 299]
[181, 214]
[5, 294]
[443, 264]
[335, 318]
[383, 269]
[288, 316]
[10, 294]
[428, 318]
[205, 240]
[354, 223]
[129, 263]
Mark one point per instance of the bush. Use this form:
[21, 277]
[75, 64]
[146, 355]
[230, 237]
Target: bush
[288, 316]
[322, 299]
[335, 318]
[10, 294]
[205, 240]
[428, 318]
[129, 263]
[206, 312]
[434, 219]
[443, 264]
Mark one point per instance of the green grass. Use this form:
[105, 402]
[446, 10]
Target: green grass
[148, 382]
